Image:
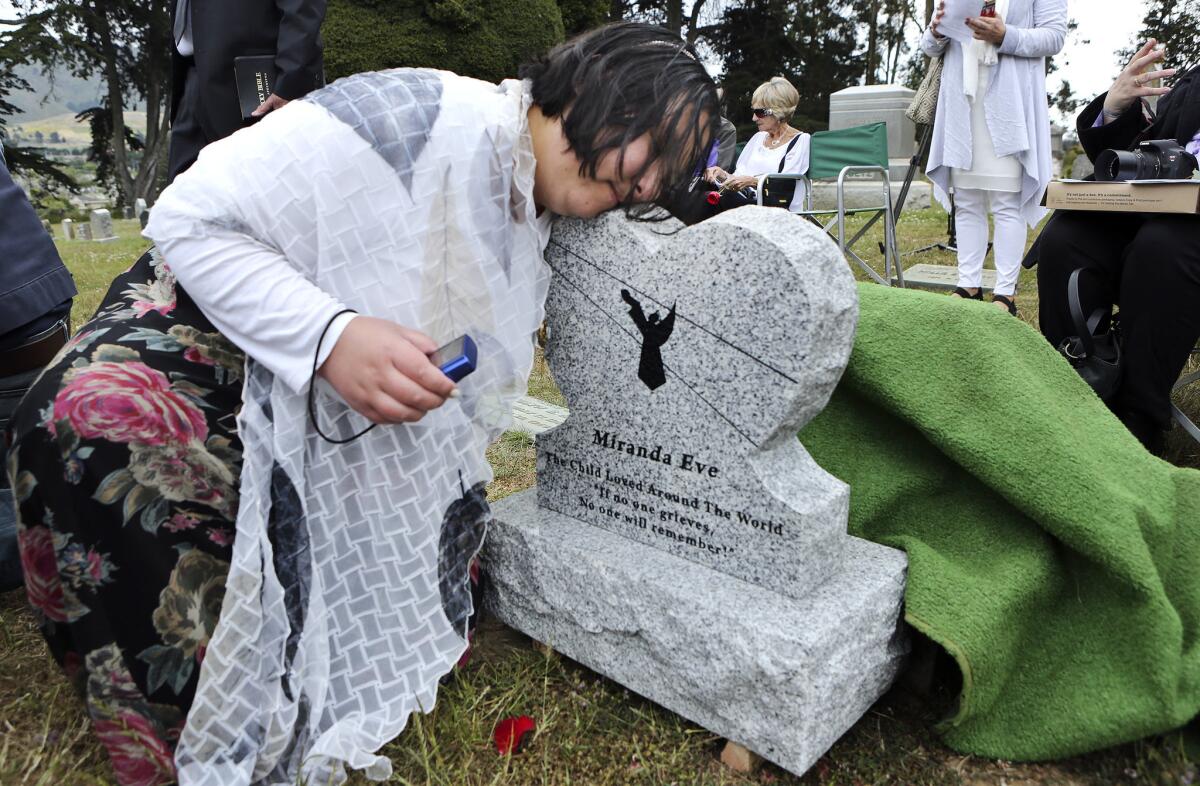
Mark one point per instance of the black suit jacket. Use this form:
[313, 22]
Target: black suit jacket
[1178, 118]
[225, 29]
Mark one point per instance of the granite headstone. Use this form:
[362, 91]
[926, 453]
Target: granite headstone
[46, 226]
[127, 212]
[83, 231]
[67, 229]
[680, 540]
[102, 226]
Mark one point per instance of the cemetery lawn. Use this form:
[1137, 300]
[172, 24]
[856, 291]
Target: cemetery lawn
[591, 731]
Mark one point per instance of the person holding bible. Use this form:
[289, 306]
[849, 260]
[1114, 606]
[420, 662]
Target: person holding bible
[1147, 263]
[249, 499]
[208, 36]
[991, 134]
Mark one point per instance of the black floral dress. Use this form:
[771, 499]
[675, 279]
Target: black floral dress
[125, 461]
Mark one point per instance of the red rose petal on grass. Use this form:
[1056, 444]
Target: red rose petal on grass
[511, 733]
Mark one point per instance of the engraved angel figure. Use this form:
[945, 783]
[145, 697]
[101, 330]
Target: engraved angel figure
[654, 335]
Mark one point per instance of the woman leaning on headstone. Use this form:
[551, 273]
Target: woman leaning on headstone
[207, 527]
[991, 134]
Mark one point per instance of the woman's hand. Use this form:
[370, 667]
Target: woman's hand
[988, 28]
[938, 15]
[738, 182]
[716, 175]
[384, 373]
[1132, 84]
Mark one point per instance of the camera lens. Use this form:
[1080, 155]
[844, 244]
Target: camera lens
[1123, 165]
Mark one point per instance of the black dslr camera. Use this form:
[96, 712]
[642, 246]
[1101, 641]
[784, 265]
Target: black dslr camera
[1154, 159]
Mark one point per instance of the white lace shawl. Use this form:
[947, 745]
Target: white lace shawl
[407, 195]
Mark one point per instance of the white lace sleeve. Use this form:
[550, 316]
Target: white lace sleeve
[237, 230]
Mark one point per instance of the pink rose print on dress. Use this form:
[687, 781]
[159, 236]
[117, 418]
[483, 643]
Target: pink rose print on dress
[43, 584]
[139, 756]
[127, 402]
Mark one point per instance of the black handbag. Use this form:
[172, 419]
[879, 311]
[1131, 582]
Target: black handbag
[1096, 356]
[780, 192]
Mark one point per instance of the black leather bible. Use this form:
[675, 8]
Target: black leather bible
[255, 79]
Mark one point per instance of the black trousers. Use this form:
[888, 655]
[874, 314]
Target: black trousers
[187, 137]
[1148, 265]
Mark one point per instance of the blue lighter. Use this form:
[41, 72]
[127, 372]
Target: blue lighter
[456, 359]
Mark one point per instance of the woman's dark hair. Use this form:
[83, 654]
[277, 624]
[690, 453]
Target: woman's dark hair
[616, 83]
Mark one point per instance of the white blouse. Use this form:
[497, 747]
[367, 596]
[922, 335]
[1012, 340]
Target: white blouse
[758, 159]
[406, 195]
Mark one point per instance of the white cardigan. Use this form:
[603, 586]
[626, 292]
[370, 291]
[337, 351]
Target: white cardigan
[1014, 102]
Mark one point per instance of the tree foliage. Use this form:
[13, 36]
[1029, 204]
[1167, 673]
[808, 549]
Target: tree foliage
[126, 43]
[23, 43]
[1175, 24]
[813, 43]
[480, 38]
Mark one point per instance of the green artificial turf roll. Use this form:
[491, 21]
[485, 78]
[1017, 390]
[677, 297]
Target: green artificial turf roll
[1049, 553]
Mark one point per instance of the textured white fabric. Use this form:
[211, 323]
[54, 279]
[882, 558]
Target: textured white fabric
[977, 53]
[406, 195]
[1014, 102]
[758, 159]
[252, 294]
[971, 229]
[988, 171]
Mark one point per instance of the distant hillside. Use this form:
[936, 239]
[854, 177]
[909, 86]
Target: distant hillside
[70, 134]
[63, 95]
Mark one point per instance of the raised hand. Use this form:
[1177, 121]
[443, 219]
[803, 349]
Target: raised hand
[384, 373]
[1133, 83]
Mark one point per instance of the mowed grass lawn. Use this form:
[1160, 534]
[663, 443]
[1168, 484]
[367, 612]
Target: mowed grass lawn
[590, 731]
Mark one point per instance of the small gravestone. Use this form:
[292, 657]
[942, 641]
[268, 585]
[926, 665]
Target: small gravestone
[46, 226]
[83, 231]
[102, 226]
[127, 212]
[1082, 167]
[67, 229]
[142, 212]
[680, 540]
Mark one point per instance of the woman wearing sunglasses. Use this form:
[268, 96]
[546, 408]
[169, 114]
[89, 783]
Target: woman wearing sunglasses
[776, 148]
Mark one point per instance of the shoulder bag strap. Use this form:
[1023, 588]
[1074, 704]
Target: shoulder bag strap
[1084, 328]
[791, 144]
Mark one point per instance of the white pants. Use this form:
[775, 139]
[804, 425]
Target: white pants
[971, 226]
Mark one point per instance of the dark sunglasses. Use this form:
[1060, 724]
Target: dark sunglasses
[763, 112]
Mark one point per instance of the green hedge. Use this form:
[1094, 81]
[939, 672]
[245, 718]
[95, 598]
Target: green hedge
[486, 39]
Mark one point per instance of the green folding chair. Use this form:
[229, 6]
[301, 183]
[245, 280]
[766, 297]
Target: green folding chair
[837, 155]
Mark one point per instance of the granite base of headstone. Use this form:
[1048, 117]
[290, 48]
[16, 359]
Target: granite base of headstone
[102, 226]
[83, 231]
[68, 229]
[680, 539]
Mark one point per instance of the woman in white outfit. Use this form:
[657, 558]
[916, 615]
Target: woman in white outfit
[991, 134]
[776, 148]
